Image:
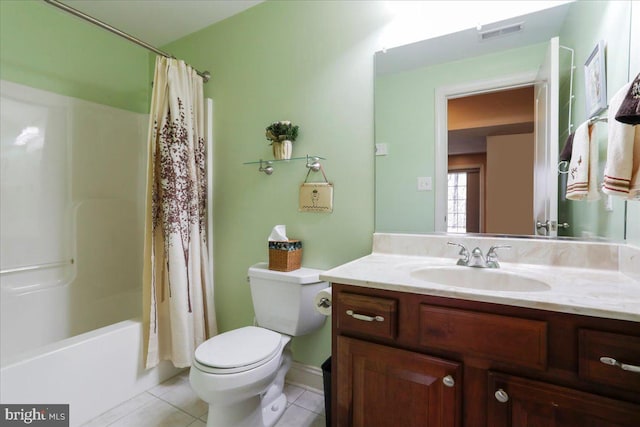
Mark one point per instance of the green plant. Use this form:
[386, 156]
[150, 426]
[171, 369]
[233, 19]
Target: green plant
[281, 131]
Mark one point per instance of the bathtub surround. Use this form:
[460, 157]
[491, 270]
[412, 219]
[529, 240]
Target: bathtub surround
[79, 316]
[176, 278]
[61, 201]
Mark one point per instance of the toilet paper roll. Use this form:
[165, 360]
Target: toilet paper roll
[322, 302]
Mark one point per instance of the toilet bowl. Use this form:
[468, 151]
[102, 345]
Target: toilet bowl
[241, 373]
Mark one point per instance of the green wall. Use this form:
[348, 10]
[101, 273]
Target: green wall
[310, 62]
[405, 112]
[608, 21]
[45, 48]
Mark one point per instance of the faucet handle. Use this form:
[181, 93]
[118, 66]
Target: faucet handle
[492, 256]
[464, 253]
[492, 249]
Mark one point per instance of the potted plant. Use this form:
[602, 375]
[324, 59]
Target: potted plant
[281, 134]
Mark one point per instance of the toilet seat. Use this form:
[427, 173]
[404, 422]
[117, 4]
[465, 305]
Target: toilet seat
[238, 350]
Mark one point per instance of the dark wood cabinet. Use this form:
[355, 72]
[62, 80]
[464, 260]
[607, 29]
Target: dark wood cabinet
[403, 359]
[388, 387]
[518, 402]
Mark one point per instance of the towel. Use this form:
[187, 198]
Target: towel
[583, 167]
[629, 109]
[619, 167]
[565, 155]
[634, 188]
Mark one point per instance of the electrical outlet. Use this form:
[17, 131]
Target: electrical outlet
[424, 183]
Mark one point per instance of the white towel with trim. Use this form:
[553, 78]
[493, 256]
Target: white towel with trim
[619, 166]
[583, 168]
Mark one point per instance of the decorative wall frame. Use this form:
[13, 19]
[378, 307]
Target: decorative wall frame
[595, 81]
[316, 196]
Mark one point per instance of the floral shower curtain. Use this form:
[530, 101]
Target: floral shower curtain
[176, 280]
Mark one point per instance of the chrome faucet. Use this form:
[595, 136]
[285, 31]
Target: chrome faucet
[476, 259]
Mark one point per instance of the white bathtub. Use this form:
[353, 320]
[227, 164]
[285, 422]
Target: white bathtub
[91, 372]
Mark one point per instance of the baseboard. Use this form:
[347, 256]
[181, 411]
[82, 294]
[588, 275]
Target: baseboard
[306, 376]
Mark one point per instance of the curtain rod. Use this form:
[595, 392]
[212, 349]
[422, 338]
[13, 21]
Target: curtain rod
[204, 74]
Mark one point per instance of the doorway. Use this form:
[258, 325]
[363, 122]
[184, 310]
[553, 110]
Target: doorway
[490, 161]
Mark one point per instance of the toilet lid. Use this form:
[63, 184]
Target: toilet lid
[244, 347]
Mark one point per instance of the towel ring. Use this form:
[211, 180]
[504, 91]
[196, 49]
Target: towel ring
[560, 166]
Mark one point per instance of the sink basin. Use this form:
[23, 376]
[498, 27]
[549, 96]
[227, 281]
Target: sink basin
[479, 278]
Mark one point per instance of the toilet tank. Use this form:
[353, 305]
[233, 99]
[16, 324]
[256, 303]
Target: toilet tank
[283, 301]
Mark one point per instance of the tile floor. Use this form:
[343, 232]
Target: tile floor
[174, 404]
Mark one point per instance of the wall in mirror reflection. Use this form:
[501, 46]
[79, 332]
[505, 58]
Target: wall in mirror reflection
[404, 121]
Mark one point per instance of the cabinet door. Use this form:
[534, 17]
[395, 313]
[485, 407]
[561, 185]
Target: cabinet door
[517, 402]
[380, 386]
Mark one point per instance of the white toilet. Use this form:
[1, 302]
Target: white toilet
[240, 373]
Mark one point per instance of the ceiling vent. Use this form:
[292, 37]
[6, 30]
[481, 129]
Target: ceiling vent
[502, 31]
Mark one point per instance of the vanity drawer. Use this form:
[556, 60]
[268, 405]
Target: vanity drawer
[513, 340]
[622, 351]
[368, 315]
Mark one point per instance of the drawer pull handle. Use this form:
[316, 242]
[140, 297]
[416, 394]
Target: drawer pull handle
[613, 362]
[502, 396]
[364, 317]
[448, 381]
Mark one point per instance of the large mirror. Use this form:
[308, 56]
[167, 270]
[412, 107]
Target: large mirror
[469, 126]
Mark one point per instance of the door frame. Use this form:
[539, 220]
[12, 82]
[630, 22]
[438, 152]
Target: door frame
[442, 95]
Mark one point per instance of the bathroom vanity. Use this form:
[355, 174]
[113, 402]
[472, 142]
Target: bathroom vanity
[411, 348]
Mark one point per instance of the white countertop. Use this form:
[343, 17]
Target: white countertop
[604, 293]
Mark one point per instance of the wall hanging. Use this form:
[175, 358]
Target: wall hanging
[316, 196]
[595, 81]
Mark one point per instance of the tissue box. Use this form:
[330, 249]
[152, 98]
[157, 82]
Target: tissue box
[285, 256]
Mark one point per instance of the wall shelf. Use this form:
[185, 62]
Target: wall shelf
[266, 166]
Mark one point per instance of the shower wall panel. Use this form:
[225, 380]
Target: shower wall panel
[71, 212]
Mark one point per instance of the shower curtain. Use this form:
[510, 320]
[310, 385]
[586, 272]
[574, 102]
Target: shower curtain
[176, 279]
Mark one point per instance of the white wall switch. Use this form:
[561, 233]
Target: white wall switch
[424, 183]
[382, 149]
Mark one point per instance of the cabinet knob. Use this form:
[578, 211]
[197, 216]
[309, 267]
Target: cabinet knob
[449, 381]
[502, 396]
